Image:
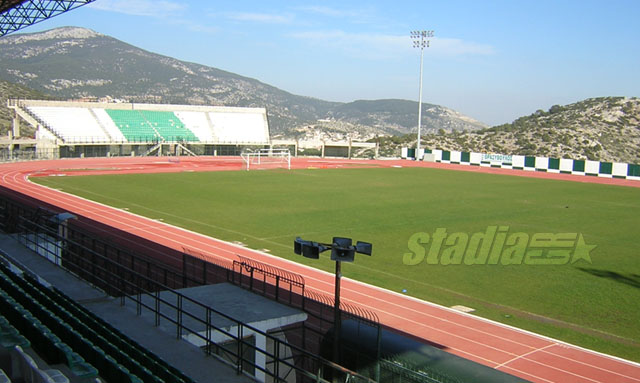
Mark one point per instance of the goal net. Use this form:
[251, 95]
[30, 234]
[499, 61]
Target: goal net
[267, 159]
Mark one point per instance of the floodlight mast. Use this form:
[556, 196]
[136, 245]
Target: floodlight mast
[342, 250]
[420, 40]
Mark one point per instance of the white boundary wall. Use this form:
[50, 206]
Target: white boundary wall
[531, 163]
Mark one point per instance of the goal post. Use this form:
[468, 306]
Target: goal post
[266, 159]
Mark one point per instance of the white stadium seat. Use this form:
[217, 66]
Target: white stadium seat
[72, 124]
[197, 123]
[239, 127]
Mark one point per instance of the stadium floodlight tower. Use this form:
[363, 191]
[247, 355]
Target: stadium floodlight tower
[342, 250]
[420, 40]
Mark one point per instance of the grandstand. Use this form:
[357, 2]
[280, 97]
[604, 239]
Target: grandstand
[68, 129]
[72, 129]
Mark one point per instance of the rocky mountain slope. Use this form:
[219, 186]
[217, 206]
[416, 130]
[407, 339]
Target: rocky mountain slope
[76, 62]
[606, 129]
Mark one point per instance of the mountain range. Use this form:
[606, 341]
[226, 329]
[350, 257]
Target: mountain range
[72, 63]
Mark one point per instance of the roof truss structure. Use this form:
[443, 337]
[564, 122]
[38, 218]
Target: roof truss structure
[19, 14]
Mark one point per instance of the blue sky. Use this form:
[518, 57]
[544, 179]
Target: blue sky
[491, 60]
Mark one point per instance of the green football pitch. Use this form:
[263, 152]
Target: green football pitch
[545, 277]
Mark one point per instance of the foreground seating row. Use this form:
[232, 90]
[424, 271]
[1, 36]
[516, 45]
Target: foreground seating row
[62, 331]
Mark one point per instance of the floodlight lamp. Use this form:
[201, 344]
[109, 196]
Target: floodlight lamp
[308, 249]
[341, 241]
[343, 254]
[297, 245]
[342, 249]
[364, 247]
[311, 250]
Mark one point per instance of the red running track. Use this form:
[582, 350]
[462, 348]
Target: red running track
[518, 352]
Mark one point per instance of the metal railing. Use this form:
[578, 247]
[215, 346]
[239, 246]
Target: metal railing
[150, 282]
[147, 294]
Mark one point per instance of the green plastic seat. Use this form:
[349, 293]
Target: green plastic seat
[9, 340]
